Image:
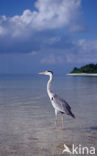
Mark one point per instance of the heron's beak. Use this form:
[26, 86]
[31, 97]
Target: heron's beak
[42, 73]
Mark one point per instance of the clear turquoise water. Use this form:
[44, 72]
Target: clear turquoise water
[27, 116]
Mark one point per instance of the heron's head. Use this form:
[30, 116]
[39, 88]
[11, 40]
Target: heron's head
[47, 72]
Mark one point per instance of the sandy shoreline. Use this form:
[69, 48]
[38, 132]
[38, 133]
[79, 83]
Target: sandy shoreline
[82, 74]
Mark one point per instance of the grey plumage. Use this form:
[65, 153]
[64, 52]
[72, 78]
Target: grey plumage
[62, 106]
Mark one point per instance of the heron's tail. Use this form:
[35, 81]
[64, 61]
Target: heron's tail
[73, 116]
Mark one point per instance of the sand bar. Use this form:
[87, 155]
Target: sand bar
[82, 74]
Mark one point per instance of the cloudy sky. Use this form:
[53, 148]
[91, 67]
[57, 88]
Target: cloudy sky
[47, 34]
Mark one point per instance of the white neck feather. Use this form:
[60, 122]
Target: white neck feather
[49, 85]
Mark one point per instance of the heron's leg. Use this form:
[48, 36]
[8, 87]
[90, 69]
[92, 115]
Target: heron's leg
[62, 117]
[56, 118]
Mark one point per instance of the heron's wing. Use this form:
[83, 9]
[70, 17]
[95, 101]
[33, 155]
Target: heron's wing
[62, 105]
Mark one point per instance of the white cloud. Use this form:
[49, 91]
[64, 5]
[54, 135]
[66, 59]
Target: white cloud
[33, 53]
[87, 46]
[50, 14]
[78, 28]
[84, 51]
[2, 30]
[56, 13]
[52, 59]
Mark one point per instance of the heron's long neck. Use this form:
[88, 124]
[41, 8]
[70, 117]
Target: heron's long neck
[49, 85]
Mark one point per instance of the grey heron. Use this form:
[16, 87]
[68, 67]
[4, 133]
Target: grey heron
[59, 104]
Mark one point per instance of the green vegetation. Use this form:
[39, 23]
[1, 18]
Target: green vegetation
[90, 68]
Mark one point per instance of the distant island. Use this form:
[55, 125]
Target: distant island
[90, 69]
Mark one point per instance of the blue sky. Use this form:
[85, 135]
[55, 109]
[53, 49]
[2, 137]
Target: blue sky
[36, 35]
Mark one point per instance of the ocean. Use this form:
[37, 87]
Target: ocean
[27, 116]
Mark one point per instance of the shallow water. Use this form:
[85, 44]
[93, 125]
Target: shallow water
[27, 116]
